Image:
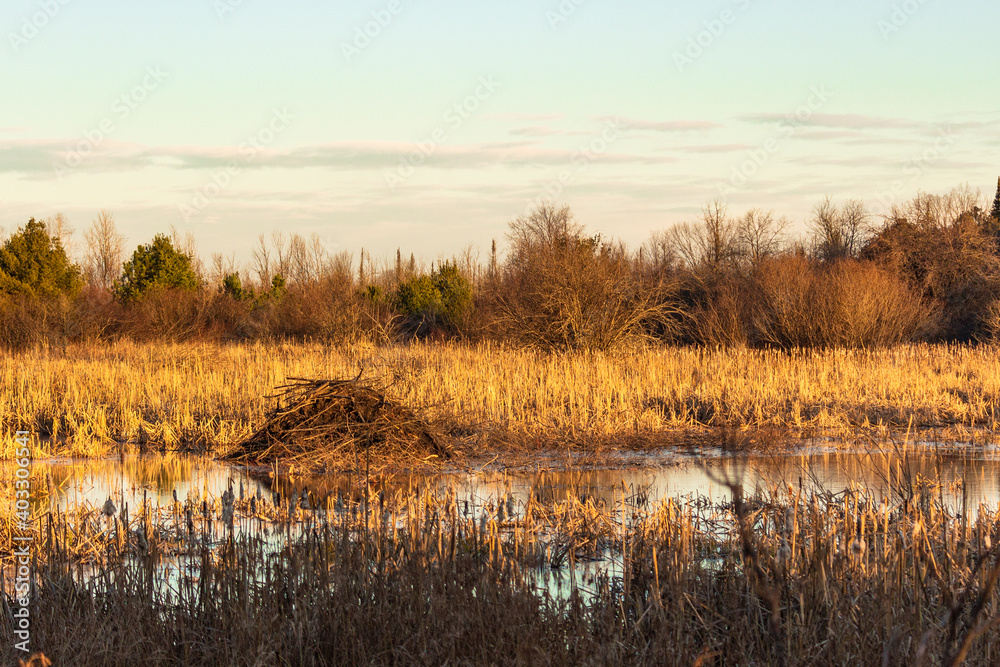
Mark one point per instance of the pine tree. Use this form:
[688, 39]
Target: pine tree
[995, 213]
[33, 261]
[155, 265]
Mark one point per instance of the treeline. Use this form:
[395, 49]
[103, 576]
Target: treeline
[927, 271]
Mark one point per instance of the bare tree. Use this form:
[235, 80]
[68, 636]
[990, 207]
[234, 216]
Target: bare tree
[262, 263]
[59, 227]
[318, 256]
[840, 232]
[719, 239]
[658, 255]
[187, 245]
[222, 266]
[709, 243]
[759, 235]
[105, 250]
[281, 254]
[300, 261]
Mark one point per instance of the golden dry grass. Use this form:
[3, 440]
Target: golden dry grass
[86, 398]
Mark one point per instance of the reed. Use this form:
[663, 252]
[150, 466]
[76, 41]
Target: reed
[387, 576]
[88, 400]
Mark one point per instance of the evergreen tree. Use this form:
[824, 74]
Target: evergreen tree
[156, 265]
[995, 213]
[32, 261]
[232, 286]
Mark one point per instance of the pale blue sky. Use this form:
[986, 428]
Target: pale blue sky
[913, 108]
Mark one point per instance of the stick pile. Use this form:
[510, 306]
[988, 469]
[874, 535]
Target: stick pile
[324, 424]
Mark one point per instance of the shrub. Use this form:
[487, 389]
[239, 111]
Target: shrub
[562, 289]
[418, 297]
[442, 298]
[846, 304]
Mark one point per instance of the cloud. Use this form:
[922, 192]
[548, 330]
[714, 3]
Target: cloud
[712, 148]
[523, 117]
[843, 121]
[42, 159]
[666, 126]
[546, 131]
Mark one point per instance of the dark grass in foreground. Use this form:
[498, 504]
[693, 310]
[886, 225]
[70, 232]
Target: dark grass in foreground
[793, 578]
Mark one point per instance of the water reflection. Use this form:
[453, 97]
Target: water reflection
[967, 476]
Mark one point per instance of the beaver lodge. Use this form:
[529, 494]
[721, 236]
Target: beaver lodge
[336, 424]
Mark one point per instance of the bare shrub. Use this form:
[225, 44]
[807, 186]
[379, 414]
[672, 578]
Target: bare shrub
[991, 322]
[563, 289]
[167, 314]
[720, 320]
[847, 304]
[782, 312]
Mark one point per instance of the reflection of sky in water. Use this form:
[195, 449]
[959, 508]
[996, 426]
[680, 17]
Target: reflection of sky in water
[157, 478]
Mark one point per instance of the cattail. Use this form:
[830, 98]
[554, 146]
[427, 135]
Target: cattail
[228, 502]
[109, 508]
[784, 553]
[789, 520]
[858, 546]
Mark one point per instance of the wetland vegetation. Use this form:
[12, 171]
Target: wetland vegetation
[352, 413]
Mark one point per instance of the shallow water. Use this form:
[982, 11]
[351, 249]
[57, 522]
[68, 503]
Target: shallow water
[968, 476]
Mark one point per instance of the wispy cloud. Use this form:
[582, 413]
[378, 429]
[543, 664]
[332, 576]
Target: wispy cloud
[668, 126]
[37, 158]
[546, 131]
[523, 117]
[845, 121]
[710, 148]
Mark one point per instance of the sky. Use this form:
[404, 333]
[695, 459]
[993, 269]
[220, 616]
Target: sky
[428, 125]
